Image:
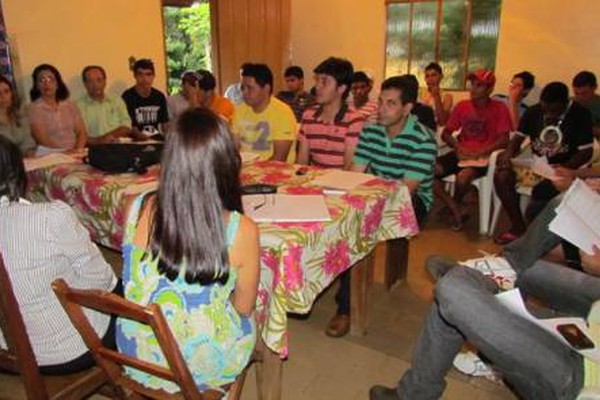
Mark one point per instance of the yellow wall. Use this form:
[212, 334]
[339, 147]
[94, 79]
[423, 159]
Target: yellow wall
[75, 33]
[549, 38]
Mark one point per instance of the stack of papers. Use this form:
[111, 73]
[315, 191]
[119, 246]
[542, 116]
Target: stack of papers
[538, 165]
[341, 180]
[577, 217]
[285, 208]
[47, 160]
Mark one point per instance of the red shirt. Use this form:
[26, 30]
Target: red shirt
[480, 127]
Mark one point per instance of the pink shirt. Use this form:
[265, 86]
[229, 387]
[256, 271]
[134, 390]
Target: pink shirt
[480, 127]
[59, 123]
[328, 141]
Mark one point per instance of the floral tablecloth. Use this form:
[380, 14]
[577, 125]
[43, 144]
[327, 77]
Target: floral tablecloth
[299, 260]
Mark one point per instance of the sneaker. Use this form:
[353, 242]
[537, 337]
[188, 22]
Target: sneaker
[469, 363]
[497, 268]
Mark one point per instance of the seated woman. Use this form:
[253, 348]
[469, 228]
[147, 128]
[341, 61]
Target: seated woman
[14, 125]
[189, 249]
[40, 243]
[56, 122]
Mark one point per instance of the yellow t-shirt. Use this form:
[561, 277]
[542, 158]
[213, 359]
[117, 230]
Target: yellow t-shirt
[258, 131]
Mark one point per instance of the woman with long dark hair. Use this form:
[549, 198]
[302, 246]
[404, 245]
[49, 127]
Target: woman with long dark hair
[14, 125]
[189, 249]
[56, 122]
[42, 242]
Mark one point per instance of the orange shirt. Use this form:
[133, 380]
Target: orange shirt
[222, 106]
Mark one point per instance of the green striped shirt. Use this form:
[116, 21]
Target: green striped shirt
[409, 155]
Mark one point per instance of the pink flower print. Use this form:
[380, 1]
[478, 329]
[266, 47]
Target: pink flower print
[57, 193]
[308, 227]
[274, 178]
[407, 219]
[386, 183]
[92, 191]
[355, 201]
[300, 190]
[373, 218]
[337, 258]
[270, 260]
[294, 274]
[246, 178]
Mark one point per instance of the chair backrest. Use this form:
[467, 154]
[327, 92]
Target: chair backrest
[113, 361]
[18, 357]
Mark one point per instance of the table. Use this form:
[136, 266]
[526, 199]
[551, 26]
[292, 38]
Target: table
[298, 260]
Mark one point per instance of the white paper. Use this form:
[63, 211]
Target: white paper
[341, 180]
[513, 300]
[577, 217]
[43, 150]
[542, 168]
[248, 156]
[285, 208]
[47, 160]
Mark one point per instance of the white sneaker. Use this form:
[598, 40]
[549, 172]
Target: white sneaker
[496, 268]
[469, 363]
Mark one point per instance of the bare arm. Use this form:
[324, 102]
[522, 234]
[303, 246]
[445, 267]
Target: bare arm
[348, 156]
[281, 149]
[591, 263]
[411, 184]
[358, 168]
[245, 256]
[303, 152]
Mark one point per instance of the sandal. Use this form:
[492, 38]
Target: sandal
[505, 238]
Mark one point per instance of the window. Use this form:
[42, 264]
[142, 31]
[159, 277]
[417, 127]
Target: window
[461, 35]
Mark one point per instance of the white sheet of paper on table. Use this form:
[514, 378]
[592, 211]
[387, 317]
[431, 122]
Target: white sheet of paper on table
[341, 180]
[286, 208]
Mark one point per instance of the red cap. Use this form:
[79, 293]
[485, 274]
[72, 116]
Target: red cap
[483, 75]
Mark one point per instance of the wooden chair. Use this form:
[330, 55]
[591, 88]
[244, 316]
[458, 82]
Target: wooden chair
[112, 361]
[19, 357]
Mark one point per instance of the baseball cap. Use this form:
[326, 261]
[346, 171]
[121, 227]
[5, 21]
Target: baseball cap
[483, 75]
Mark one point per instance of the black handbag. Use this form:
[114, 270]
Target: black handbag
[117, 158]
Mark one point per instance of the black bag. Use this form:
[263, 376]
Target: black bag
[117, 158]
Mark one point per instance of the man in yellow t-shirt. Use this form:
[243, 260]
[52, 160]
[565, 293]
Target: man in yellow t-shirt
[263, 124]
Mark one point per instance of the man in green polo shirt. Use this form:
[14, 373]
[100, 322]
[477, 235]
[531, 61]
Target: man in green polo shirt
[397, 147]
[105, 116]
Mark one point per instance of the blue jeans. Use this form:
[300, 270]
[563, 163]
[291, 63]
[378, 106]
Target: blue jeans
[533, 361]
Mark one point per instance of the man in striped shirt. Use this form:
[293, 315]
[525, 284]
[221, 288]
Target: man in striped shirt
[329, 130]
[361, 89]
[397, 147]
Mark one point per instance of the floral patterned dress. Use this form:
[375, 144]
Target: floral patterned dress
[216, 342]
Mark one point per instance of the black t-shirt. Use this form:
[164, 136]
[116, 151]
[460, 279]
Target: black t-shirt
[146, 113]
[575, 132]
[425, 115]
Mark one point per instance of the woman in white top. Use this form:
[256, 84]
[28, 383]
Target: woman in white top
[40, 243]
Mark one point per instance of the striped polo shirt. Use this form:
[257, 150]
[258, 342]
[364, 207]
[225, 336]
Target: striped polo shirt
[409, 155]
[328, 141]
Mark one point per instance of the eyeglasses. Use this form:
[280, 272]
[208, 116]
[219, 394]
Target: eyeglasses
[46, 79]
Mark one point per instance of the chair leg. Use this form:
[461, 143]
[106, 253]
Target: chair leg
[485, 200]
[497, 207]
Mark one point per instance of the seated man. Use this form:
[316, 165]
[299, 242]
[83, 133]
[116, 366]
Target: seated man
[397, 147]
[263, 124]
[434, 96]
[210, 99]
[558, 129]
[40, 243]
[188, 96]
[105, 116]
[147, 106]
[329, 130]
[361, 89]
[484, 126]
[584, 88]
[234, 91]
[534, 362]
[423, 112]
[519, 87]
[295, 96]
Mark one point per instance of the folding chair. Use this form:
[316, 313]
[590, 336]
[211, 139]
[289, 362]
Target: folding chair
[19, 357]
[112, 361]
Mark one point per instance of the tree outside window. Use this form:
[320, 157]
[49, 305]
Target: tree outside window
[461, 35]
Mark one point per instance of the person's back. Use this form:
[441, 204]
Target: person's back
[209, 311]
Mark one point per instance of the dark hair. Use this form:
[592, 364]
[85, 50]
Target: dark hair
[244, 66]
[360, 76]
[340, 69]
[405, 84]
[91, 67]
[528, 79]
[13, 179]
[585, 78]
[190, 77]
[200, 178]
[294, 70]
[434, 66]
[261, 73]
[206, 80]
[555, 92]
[14, 111]
[62, 92]
[143, 63]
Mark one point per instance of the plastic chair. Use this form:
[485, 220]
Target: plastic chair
[112, 361]
[19, 357]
